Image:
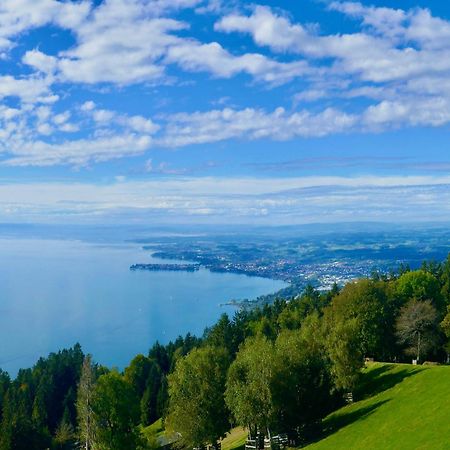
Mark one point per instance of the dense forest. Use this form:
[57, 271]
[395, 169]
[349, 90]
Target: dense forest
[276, 369]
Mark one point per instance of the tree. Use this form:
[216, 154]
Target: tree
[420, 285]
[160, 354]
[368, 302]
[417, 327]
[150, 410]
[223, 334]
[301, 385]
[248, 391]
[84, 403]
[5, 383]
[197, 408]
[64, 436]
[445, 325]
[344, 350]
[115, 408]
[17, 430]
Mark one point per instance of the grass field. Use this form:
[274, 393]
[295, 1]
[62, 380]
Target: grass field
[401, 407]
[235, 439]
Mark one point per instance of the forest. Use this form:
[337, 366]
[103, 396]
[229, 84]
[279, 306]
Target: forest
[277, 369]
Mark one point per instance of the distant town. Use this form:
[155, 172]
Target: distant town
[320, 260]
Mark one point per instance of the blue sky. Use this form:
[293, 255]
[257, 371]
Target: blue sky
[210, 111]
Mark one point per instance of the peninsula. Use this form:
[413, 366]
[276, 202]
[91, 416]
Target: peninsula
[167, 267]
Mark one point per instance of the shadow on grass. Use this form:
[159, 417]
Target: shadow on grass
[381, 379]
[334, 423]
[373, 382]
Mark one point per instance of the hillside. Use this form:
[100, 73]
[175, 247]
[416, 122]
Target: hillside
[401, 407]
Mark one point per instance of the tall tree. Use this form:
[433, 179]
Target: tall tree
[370, 304]
[115, 408]
[248, 393]
[344, 350]
[150, 410]
[197, 407]
[5, 383]
[301, 385]
[84, 404]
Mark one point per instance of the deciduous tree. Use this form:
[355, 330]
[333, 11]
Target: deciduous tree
[417, 327]
[197, 407]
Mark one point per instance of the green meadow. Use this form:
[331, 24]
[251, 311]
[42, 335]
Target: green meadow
[398, 406]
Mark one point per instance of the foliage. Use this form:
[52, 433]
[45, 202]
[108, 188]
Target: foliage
[248, 392]
[115, 407]
[39, 400]
[420, 285]
[301, 383]
[344, 351]
[369, 303]
[197, 408]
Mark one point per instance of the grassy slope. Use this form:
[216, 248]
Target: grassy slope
[235, 439]
[402, 407]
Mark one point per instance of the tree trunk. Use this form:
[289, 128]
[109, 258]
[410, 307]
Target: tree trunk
[418, 347]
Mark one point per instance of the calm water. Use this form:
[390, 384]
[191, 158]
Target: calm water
[56, 293]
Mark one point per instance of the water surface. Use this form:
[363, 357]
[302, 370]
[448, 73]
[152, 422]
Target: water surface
[55, 293]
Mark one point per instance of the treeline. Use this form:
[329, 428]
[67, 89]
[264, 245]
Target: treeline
[277, 369]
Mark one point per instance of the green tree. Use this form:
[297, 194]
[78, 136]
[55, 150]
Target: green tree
[115, 409]
[445, 325]
[5, 383]
[137, 373]
[344, 350]
[369, 303]
[417, 327]
[17, 430]
[64, 436]
[301, 381]
[150, 410]
[248, 392]
[223, 334]
[197, 408]
[420, 285]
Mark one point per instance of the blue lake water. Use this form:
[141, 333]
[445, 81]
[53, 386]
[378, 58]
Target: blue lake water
[56, 293]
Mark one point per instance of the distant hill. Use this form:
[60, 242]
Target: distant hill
[399, 406]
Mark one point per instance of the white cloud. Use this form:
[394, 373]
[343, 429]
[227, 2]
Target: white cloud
[139, 124]
[213, 58]
[30, 90]
[59, 119]
[136, 123]
[103, 115]
[17, 16]
[87, 106]
[399, 58]
[45, 129]
[249, 123]
[76, 152]
[131, 41]
[284, 200]
[40, 61]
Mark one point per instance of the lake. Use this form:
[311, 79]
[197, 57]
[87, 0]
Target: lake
[54, 293]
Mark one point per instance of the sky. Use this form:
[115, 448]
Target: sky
[210, 111]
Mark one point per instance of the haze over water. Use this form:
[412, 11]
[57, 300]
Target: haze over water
[54, 293]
